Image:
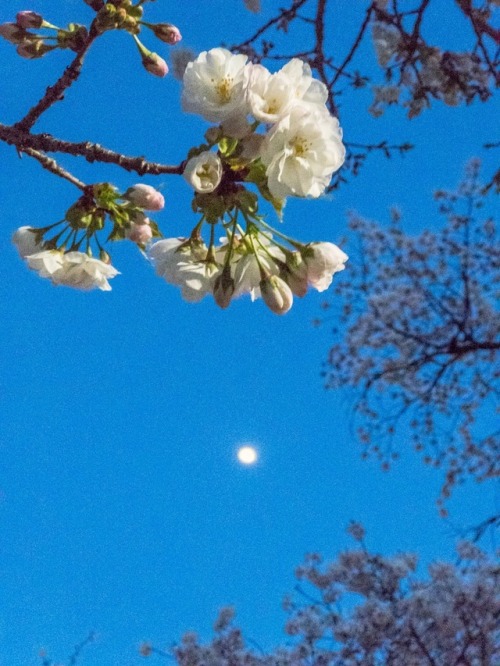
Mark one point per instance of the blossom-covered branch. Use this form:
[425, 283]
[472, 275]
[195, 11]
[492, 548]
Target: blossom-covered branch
[273, 133]
[363, 608]
[421, 337]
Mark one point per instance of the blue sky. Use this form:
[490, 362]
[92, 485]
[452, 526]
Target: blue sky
[122, 507]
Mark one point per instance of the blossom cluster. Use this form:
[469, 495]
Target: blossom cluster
[453, 77]
[422, 336]
[295, 155]
[253, 264]
[60, 259]
[273, 133]
[302, 145]
[116, 15]
[365, 608]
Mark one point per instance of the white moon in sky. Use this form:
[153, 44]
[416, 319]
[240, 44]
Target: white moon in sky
[247, 455]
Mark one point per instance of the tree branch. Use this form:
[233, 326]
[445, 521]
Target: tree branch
[52, 166]
[55, 92]
[92, 152]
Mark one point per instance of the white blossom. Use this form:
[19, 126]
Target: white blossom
[204, 172]
[302, 151]
[215, 85]
[24, 239]
[272, 96]
[72, 269]
[184, 264]
[46, 263]
[249, 259]
[322, 261]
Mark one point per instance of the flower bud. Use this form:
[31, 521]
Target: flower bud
[32, 49]
[154, 64]
[277, 294]
[224, 289]
[104, 256]
[145, 197]
[167, 33]
[140, 231]
[12, 33]
[295, 274]
[204, 172]
[28, 19]
[25, 240]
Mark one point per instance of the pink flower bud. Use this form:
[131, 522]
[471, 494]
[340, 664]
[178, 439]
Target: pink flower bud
[145, 197]
[29, 19]
[140, 233]
[167, 32]
[154, 64]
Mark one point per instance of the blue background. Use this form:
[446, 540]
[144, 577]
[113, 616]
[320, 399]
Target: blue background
[122, 506]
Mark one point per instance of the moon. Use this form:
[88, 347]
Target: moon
[247, 455]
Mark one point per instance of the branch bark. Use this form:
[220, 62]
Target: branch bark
[92, 152]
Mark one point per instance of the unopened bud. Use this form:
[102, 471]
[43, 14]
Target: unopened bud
[28, 19]
[12, 33]
[276, 294]
[151, 61]
[140, 233]
[104, 256]
[155, 65]
[295, 274]
[223, 289]
[166, 32]
[145, 197]
[32, 49]
[26, 241]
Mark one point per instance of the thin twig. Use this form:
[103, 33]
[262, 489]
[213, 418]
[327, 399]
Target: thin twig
[55, 92]
[52, 166]
[355, 45]
[296, 4]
